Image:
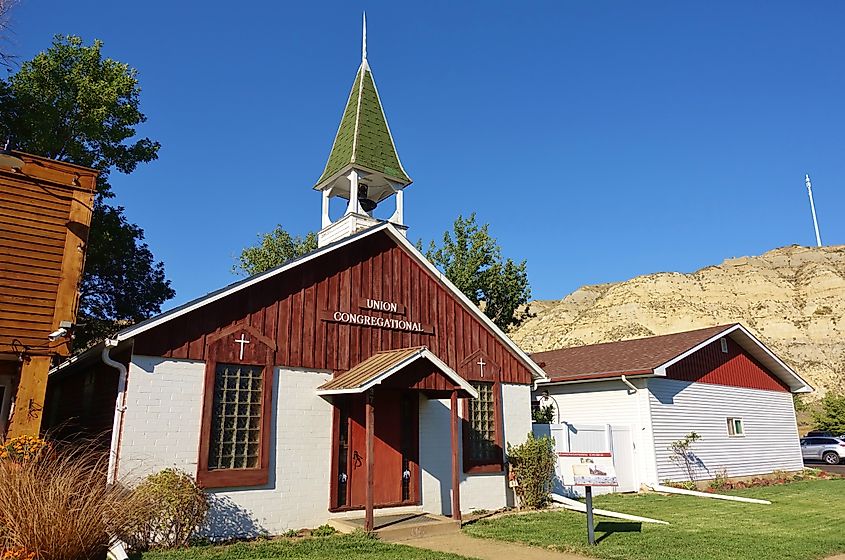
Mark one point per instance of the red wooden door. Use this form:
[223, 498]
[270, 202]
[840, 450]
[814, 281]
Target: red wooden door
[395, 448]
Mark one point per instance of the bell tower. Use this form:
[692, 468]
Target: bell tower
[363, 166]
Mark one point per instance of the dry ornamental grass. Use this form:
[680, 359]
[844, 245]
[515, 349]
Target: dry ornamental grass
[57, 506]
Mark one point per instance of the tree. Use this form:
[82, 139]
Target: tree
[831, 415]
[273, 249]
[5, 8]
[472, 259]
[70, 104]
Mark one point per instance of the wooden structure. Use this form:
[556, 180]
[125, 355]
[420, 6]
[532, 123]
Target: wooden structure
[45, 215]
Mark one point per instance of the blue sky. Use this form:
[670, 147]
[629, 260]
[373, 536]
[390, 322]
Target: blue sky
[601, 140]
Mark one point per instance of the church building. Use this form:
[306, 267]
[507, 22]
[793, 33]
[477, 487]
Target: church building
[353, 380]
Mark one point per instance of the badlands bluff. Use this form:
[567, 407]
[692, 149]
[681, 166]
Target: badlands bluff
[792, 298]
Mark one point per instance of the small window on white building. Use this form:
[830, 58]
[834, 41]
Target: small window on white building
[735, 427]
[724, 343]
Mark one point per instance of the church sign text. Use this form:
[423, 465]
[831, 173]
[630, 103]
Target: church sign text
[365, 320]
[379, 305]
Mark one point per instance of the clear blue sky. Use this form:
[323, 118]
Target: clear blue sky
[600, 140]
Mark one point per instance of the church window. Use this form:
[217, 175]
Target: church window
[482, 441]
[235, 441]
[235, 433]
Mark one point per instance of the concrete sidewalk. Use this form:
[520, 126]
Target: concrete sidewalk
[486, 549]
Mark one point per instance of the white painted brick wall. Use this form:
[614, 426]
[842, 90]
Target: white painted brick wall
[479, 491]
[162, 427]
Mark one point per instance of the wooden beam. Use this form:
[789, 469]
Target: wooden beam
[370, 425]
[456, 474]
[73, 261]
[29, 401]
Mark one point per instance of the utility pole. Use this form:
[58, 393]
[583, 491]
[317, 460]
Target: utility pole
[813, 209]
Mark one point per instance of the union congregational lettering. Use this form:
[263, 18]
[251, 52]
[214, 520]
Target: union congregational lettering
[365, 320]
[385, 306]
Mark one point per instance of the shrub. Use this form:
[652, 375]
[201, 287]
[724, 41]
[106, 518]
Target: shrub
[720, 481]
[682, 455]
[534, 466]
[55, 504]
[323, 531]
[543, 414]
[172, 508]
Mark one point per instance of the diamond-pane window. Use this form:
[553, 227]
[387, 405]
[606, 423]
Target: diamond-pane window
[482, 446]
[236, 417]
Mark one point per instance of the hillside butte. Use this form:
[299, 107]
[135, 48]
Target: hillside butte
[792, 298]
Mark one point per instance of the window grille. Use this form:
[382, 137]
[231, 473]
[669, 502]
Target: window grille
[236, 417]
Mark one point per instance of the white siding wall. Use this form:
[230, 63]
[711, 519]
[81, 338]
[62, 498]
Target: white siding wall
[771, 437]
[609, 402]
[478, 491]
[162, 426]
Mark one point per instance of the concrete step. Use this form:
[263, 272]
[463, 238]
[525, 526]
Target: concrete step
[401, 527]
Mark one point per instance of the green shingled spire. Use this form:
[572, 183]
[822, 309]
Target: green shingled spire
[363, 138]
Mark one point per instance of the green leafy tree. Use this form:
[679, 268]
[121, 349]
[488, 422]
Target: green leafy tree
[273, 249]
[472, 259]
[70, 104]
[831, 413]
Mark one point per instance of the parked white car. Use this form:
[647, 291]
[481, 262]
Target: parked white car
[828, 449]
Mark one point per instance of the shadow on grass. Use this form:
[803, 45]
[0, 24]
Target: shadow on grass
[611, 527]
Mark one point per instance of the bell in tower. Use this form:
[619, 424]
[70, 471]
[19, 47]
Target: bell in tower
[363, 166]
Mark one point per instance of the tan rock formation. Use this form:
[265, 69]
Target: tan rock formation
[792, 298]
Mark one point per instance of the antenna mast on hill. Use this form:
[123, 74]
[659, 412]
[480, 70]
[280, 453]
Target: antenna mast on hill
[813, 209]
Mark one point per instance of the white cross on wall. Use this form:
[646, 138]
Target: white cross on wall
[242, 340]
[481, 363]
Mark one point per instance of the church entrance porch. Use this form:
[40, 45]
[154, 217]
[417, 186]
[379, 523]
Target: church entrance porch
[375, 447]
[395, 450]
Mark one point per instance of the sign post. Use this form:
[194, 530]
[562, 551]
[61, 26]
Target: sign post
[591, 530]
[588, 470]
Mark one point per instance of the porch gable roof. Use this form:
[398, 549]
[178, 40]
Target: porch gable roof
[381, 366]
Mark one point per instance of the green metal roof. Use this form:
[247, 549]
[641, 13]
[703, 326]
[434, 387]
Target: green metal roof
[363, 137]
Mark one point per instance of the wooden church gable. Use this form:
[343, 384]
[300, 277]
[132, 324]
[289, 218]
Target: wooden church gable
[335, 310]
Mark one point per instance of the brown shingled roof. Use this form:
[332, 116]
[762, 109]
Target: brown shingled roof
[627, 357]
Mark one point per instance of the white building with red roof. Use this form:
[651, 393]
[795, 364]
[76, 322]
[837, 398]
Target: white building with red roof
[720, 382]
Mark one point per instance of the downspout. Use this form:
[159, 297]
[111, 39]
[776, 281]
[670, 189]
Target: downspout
[119, 408]
[629, 384]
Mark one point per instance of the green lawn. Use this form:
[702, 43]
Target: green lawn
[318, 548]
[805, 521]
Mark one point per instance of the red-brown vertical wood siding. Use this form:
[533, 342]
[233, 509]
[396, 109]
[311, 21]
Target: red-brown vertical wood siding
[286, 307]
[736, 368]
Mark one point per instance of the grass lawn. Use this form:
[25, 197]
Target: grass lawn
[318, 548]
[805, 521]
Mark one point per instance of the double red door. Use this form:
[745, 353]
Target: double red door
[395, 449]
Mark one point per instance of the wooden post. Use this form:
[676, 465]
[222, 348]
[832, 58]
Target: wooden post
[456, 473]
[29, 401]
[370, 424]
[591, 531]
